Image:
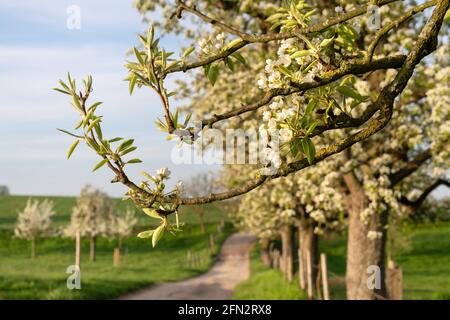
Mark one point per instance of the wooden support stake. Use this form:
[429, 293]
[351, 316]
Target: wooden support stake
[324, 272]
[301, 270]
[309, 275]
[77, 249]
[116, 261]
[394, 281]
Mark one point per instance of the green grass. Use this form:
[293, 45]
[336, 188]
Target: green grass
[266, 283]
[426, 268]
[45, 277]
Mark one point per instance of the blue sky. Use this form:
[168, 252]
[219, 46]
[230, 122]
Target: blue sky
[36, 49]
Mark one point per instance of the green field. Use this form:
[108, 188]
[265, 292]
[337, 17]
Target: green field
[45, 277]
[426, 268]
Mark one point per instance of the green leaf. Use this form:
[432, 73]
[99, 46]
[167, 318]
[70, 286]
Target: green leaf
[132, 78]
[145, 234]
[94, 106]
[312, 127]
[188, 117]
[309, 149]
[294, 146]
[152, 213]
[233, 43]
[72, 148]
[115, 139]
[127, 151]
[157, 235]
[326, 42]
[239, 58]
[69, 133]
[124, 145]
[285, 71]
[188, 51]
[93, 123]
[349, 92]
[299, 54]
[134, 161]
[311, 106]
[138, 56]
[213, 74]
[62, 91]
[100, 164]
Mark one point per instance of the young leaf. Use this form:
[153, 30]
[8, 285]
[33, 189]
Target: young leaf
[299, 54]
[100, 164]
[115, 140]
[145, 234]
[134, 161]
[69, 133]
[127, 151]
[62, 91]
[308, 149]
[124, 145]
[188, 51]
[152, 213]
[349, 92]
[72, 148]
[157, 235]
[132, 78]
[93, 123]
[213, 74]
[138, 56]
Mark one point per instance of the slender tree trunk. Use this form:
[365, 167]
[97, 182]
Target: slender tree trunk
[288, 251]
[365, 277]
[265, 254]
[92, 249]
[201, 221]
[308, 243]
[33, 248]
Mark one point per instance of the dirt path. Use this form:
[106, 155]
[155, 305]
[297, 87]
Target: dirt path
[232, 267]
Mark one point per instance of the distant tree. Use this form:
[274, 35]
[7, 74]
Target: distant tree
[91, 216]
[202, 183]
[122, 225]
[34, 222]
[120, 228]
[4, 190]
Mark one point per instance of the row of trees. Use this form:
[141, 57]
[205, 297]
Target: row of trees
[93, 216]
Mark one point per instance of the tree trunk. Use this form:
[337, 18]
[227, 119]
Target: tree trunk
[116, 260]
[288, 252]
[202, 222]
[365, 276]
[33, 248]
[92, 249]
[308, 244]
[265, 252]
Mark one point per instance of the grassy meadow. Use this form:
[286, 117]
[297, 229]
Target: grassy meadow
[141, 265]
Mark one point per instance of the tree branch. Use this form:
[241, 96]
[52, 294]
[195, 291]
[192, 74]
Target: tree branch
[355, 68]
[410, 167]
[268, 37]
[418, 202]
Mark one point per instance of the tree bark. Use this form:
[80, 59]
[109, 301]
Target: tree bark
[308, 244]
[288, 252]
[33, 248]
[265, 254]
[92, 249]
[364, 253]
